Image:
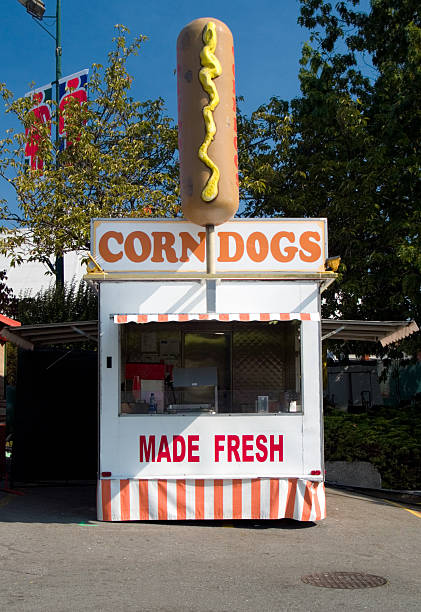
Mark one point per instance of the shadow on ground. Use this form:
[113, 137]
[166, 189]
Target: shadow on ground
[49, 504]
[77, 504]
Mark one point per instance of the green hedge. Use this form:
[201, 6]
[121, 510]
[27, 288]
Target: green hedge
[390, 440]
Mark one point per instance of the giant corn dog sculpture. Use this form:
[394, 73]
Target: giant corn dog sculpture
[207, 122]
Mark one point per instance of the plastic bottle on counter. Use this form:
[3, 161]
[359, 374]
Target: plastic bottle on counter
[152, 404]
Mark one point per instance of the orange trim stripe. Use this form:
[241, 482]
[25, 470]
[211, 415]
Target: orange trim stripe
[237, 501]
[292, 490]
[307, 502]
[143, 500]
[124, 500]
[316, 486]
[255, 498]
[181, 500]
[323, 514]
[274, 498]
[222, 316]
[199, 501]
[162, 500]
[106, 499]
[218, 500]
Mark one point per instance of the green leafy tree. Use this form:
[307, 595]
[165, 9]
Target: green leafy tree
[73, 302]
[120, 163]
[349, 149]
[7, 298]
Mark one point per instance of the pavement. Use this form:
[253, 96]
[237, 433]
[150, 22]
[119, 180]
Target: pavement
[54, 556]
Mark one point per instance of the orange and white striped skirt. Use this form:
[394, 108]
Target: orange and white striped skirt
[180, 500]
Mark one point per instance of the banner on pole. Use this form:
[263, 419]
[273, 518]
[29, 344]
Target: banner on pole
[72, 86]
[41, 113]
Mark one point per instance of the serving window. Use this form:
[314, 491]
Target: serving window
[211, 368]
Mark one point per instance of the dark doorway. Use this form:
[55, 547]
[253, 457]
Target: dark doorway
[55, 421]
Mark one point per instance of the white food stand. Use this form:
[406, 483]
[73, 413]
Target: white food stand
[233, 359]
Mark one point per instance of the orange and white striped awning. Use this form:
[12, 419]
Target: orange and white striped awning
[215, 316]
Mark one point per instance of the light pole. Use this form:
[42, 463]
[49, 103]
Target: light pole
[36, 8]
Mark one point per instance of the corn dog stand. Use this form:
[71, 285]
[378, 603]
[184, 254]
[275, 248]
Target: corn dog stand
[210, 341]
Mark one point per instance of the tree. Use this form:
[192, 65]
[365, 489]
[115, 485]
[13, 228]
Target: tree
[7, 298]
[120, 163]
[75, 302]
[349, 149]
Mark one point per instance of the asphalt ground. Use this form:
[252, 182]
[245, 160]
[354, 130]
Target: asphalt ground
[54, 556]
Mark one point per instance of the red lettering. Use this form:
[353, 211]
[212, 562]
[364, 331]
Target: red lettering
[219, 447]
[163, 451]
[247, 447]
[233, 444]
[276, 448]
[311, 247]
[79, 95]
[178, 441]
[252, 448]
[192, 448]
[147, 451]
[275, 247]
[104, 250]
[261, 442]
[41, 114]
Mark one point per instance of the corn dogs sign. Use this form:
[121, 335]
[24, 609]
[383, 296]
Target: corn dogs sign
[160, 246]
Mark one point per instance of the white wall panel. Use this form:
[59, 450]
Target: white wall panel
[266, 296]
[119, 445]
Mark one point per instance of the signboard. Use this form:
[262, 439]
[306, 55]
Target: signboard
[133, 246]
[205, 446]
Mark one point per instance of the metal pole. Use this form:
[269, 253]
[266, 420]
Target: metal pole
[210, 249]
[210, 269]
[59, 258]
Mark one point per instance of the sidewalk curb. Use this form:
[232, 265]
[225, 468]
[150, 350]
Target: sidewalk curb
[408, 497]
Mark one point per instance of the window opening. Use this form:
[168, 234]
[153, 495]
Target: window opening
[211, 367]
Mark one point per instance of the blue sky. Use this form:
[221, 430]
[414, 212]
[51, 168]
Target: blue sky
[266, 36]
[267, 43]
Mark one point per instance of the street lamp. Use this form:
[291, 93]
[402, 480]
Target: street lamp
[36, 8]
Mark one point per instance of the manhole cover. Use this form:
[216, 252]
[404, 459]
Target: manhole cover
[344, 580]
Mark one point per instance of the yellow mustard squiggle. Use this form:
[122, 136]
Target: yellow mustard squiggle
[211, 69]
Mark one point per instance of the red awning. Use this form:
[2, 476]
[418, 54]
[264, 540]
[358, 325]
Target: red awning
[7, 321]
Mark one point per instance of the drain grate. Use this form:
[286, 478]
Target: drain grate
[344, 580]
